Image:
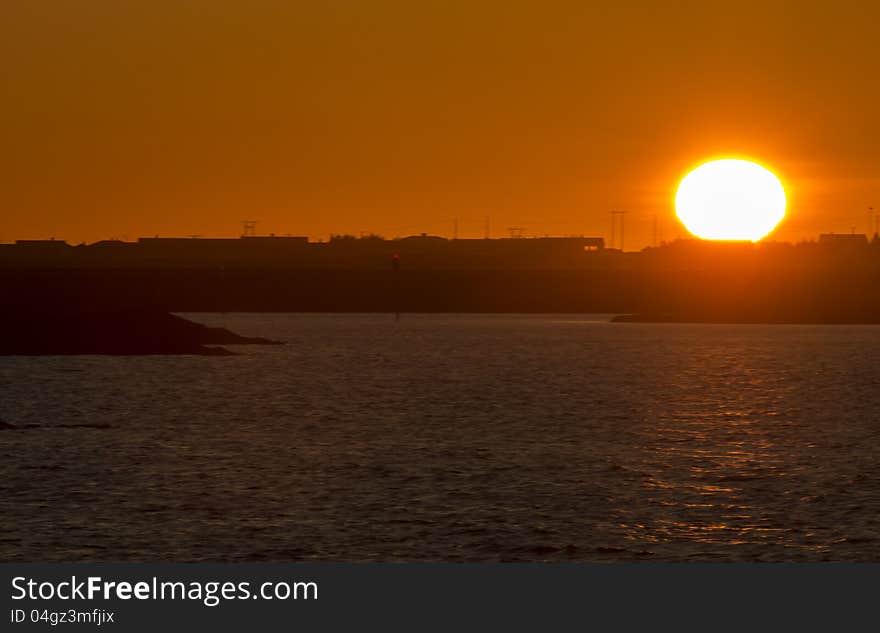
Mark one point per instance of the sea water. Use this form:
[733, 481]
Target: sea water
[451, 438]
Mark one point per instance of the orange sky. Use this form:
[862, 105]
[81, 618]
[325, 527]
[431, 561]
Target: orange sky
[177, 117]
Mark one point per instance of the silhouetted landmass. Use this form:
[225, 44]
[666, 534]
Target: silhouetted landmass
[834, 280]
[36, 332]
[271, 252]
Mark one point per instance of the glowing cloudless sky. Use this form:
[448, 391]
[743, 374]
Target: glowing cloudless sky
[178, 117]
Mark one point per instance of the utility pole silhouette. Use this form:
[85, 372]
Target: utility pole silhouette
[613, 227]
[614, 220]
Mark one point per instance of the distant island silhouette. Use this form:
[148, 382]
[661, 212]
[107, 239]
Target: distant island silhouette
[832, 280]
[31, 332]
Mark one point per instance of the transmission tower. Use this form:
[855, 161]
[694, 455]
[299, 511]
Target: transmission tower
[248, 228]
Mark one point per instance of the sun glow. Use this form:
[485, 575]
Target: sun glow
[730, 199]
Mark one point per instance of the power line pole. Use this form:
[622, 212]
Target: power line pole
[613, 227]
[614, 216]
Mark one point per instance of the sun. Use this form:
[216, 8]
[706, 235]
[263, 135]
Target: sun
[730, 199]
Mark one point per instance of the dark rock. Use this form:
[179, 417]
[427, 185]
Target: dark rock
[124, 332]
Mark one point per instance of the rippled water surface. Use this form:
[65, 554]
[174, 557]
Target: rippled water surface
[560, 438]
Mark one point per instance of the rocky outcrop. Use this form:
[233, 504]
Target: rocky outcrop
[124, 333]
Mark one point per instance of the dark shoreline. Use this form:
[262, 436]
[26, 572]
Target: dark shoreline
[737, 294]
[734, 320]
[113, 332]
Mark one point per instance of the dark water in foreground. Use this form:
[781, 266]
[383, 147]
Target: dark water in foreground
[452, 438]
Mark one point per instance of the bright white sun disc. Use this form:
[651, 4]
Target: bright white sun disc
[730, 199]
